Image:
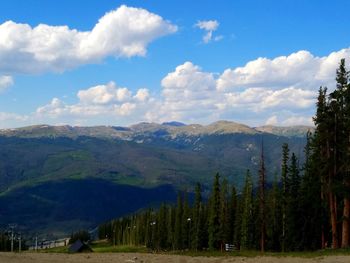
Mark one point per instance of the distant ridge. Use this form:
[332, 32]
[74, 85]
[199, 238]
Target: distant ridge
[174, 123]
[49, 167]
[171, 129]
[297, 131]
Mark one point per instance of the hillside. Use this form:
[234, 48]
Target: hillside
[38, 162]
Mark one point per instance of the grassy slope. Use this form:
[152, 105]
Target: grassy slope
[106, 247]
[33, 172]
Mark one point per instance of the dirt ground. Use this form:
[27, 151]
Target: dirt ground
[148, 258]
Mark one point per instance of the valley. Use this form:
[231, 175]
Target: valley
[56, 179]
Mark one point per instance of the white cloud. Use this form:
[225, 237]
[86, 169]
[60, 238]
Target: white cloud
[297, 120]
[260, 99]
[106, 102]
[142, 95]
[186, 89]
[299, 70]
[124, 32]
[272, 120]
[104, 94]
[5, 82]
[55, 108]
[192, 95]
[6, 116]
[209, 26]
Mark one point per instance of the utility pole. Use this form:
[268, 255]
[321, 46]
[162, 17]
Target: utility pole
[12, 240]
[189, 232]
[12, 228]
[36, 243]
[19, 243]
[114, 238]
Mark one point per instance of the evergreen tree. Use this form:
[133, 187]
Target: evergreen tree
[178, 244]
[214, 215]
[292, 206]
[161, 226]
[311, 202]
[274, 213]
[262, 200]
[224, 212]
[342, 95]
[238, 223]
[197, 214]
[186, 223]
[247, 212]
[232, 212]
[284, 177]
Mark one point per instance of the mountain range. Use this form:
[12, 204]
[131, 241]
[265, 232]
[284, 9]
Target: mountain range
[56, 179]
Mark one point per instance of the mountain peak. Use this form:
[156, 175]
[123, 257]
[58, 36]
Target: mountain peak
[173, 123]
[225, 127]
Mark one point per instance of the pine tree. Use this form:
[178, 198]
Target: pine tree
[247, 211]
[292, 206]
[171, 226]
[197, 214]
[186, 223]
[262, 200]
[238, 222]
[214, 215]
[325, 139]
[224, 212]
[320, 157]
[311, 201]
[161, 226]
[232, 213]
[274, 213]
[342, 96]
[178, 244]
[284, 177]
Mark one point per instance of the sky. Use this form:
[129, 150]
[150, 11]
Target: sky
[118, 63]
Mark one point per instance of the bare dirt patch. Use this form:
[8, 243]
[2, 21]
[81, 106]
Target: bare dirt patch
[150, 258]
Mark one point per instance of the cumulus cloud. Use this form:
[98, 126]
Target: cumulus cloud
[5, 82]
[272, 120]
[108, 102]
[104, 94]
[186, 89]
[5, 116]
[142, 95]
[297, 120]
[190, 94]
[258, 99]
[124, 32]
[299, 70]
[209, 26]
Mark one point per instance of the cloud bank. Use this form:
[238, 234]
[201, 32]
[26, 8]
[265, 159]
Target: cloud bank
[124, 32]
[278, 91]
[264, 91]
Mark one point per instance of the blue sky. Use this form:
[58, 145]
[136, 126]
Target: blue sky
[256, 62]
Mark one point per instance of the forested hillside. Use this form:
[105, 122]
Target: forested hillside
[307, 207]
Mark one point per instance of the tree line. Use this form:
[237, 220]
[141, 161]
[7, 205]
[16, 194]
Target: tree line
[5, 242]
[306, 208]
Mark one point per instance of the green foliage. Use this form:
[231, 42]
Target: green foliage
[214, 215]
[247, 213]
